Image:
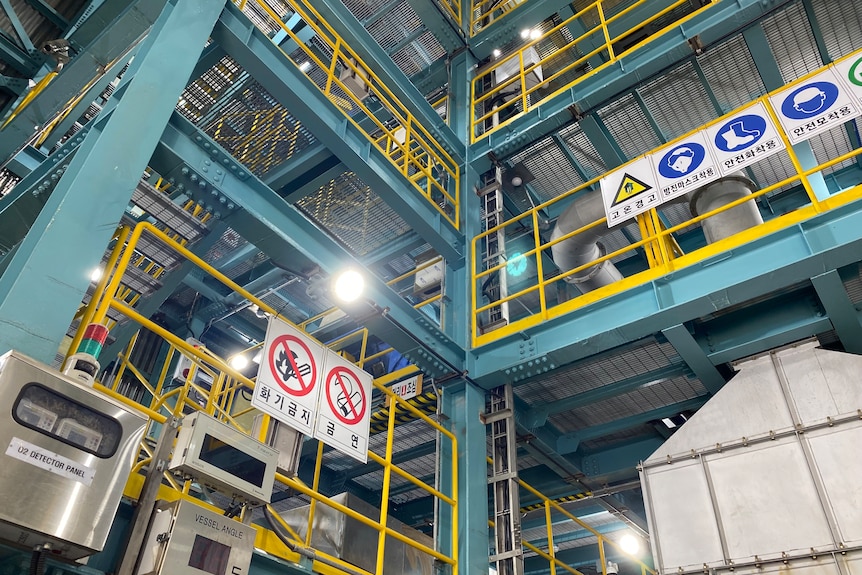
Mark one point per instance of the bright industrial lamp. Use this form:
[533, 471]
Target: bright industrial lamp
[348, 285]
[630, 544]
[239, 362]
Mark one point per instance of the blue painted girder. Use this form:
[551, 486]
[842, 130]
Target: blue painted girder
[784, 258]
[103, 37]
[184, 147]
[360, 41]
[264, 61]
[602, 86]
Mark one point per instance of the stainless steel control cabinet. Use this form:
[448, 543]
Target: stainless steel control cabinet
[68, 451]
[186, 539]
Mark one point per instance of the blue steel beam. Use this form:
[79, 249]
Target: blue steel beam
[839, 308]
[49, 13]
[569, 442]
[185, 151]
[12, 54]
[104, 36]
[777, 261]
[444, 29]
[661, 53]
[89, 97]
[538, 415]
[23, 37]
[354, 35]
[763, 326]
[264, 61]
[71, 232]
[695, 357]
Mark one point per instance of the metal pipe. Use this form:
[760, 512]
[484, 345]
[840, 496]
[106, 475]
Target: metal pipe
[584, 247]
[719, 193]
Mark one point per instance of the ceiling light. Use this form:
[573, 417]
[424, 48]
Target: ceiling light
[535, 33]
[239, 362]
[349, 285]
[525, 33]
[305, 66]
[497, 52]
[630, 544]
[96, 274]
[668, 423]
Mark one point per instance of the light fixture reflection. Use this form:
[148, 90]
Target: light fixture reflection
[239, 362]
[349, 285]
[630, 544]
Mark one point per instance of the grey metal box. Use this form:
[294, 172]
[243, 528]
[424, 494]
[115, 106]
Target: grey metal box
[68, 453]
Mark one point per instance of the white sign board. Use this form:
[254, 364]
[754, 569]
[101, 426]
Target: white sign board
[50, 461]
[288, 379]
[684, 166]
[814, 106]
[345, 407]
[629, 191]
[850, 71]
[743, 139]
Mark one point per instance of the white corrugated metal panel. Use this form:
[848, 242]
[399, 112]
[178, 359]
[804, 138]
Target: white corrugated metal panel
[731, 74]
[789, 34]
[554, 174]
[629, 126]
[840, 25]
[678, 101]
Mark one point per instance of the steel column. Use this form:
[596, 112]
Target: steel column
[51, 268]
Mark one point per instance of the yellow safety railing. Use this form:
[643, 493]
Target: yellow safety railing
[221, 401]
[498, 103]
[453, 7]
[556, 565]
[483, 13]
[657, 240]
[408, 145]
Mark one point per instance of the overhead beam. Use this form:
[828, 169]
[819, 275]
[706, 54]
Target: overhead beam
[751, 270]
[538, 414]
[841, 311]
[265, 62]
[695, 357]
[354, 35]
[591, 93]
[185, 151]
[70, 234]
[102, 38]
[569, 442]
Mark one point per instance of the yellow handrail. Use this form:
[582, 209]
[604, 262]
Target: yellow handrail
[425, 163]
[486, 92]
[662, 251]
[226, 383]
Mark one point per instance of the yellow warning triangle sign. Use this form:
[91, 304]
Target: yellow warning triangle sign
[630, 186]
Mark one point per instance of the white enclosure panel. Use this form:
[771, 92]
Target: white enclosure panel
[682, 514]
[838, 456]
[767, 500]
[823, 383]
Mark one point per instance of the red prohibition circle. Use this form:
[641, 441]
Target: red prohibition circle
[336, 377]
[285, 343]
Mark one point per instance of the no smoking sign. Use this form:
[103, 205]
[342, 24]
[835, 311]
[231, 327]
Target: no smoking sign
[344, 416]
[288, 381]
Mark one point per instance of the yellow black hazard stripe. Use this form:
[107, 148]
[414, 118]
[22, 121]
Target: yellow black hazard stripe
[426, 403]
[566, 499]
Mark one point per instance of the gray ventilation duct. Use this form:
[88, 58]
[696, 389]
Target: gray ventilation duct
[720, 193]
[586, 209]
[584, 247]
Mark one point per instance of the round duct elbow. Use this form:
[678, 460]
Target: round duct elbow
[720, 193]
[585, 247]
